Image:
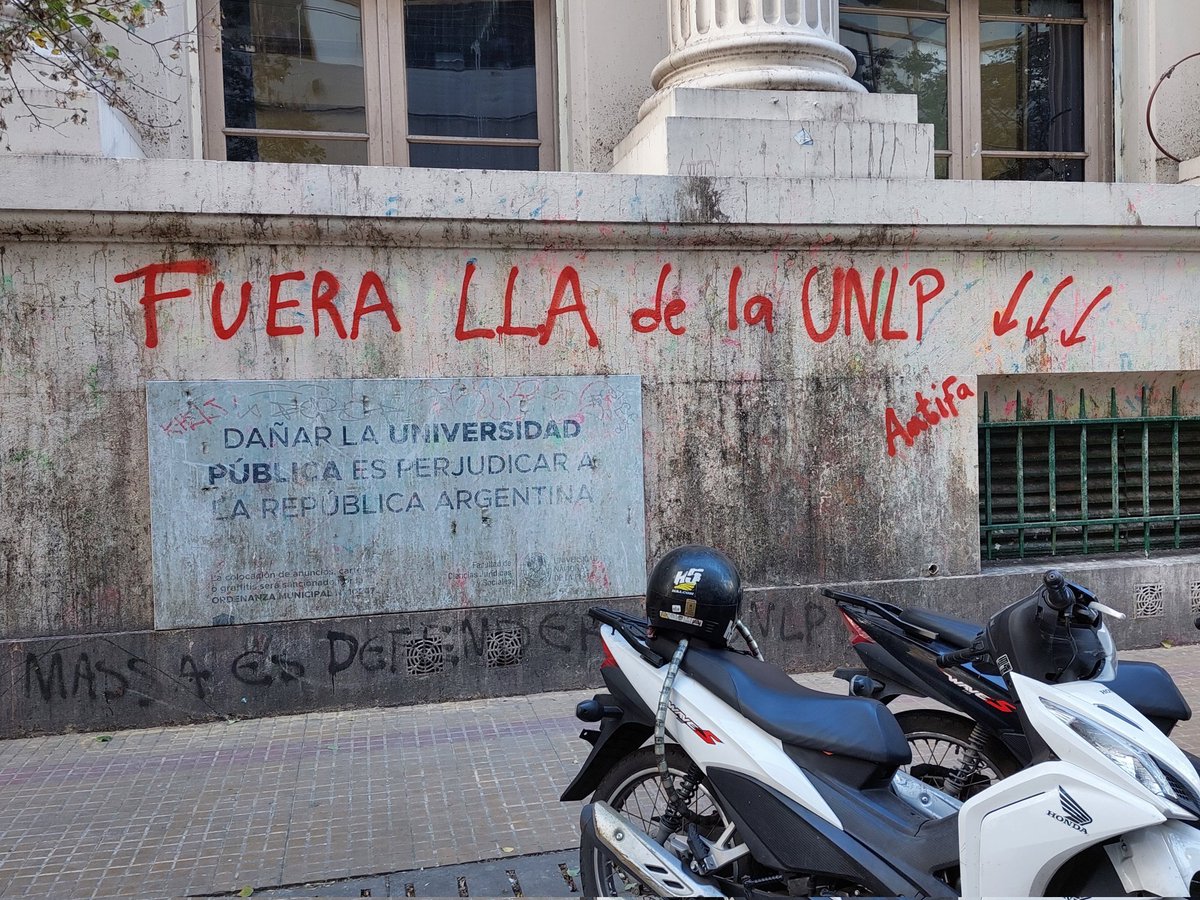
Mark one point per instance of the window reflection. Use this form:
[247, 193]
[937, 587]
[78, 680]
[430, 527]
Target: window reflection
[471, 69]
[1031, 82]
[473, 156]
[1000, 169]
[293, 66]
[295, 150]
[1061, 9]
[902, 55]
[904, 5]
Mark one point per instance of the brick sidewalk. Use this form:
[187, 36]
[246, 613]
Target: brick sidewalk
[212, 808]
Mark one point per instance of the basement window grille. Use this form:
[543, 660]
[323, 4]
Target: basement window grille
[1071, 487]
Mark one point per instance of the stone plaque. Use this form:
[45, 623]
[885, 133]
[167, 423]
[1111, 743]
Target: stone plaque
[283, 500]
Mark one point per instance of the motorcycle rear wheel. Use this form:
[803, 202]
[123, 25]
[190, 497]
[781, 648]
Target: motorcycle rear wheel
[633, 788]
[939, 741]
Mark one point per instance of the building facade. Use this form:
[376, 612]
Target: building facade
[368, 344]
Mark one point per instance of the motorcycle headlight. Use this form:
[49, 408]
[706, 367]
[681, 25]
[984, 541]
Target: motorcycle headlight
[1129, 758]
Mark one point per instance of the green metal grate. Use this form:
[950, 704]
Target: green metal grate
[1069, 487]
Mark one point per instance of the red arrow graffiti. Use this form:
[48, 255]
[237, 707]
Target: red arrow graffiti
[1070, 340]
[1032, 330]
[1003, 324]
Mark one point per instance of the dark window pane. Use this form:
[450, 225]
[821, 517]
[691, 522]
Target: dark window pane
[941, 167]
[296, 150]
[1031, 82]
[902, 55]
[293, 66]
[472, 156]
[1062, 9]
[471, 68]
[998, 169]
[902, 5]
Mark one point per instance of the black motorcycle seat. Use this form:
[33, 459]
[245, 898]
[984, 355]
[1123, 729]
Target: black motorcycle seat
[958, 632]
[1150, 690]
[764, 694]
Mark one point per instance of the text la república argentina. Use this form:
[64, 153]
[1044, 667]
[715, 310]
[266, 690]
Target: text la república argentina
[333, 504]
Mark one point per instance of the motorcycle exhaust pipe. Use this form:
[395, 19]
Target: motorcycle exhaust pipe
[633, 850]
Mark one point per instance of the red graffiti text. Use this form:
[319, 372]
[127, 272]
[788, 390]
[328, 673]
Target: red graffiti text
[568, 280]
[282, 290]
[195, 416]
[928, 415]
[850, 300]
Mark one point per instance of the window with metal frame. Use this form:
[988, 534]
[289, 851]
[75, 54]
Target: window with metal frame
[1056, 486]
[436, 83]
[1015, 89]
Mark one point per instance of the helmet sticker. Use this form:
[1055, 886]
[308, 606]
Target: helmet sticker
[685, 582]
[676, 617]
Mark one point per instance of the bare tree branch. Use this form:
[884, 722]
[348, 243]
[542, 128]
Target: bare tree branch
[68, 46]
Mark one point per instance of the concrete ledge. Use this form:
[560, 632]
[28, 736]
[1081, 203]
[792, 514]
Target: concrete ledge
[62, 184]
[790, 106]
[801, 148]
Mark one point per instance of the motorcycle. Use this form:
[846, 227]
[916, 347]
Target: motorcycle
[768, 788]
[962, 752]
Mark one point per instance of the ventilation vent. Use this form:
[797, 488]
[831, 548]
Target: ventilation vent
[503, 648]
[1148, 601]
[425, 656]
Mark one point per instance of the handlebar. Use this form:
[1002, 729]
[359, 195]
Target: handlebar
[946, 660]
[1059, 595]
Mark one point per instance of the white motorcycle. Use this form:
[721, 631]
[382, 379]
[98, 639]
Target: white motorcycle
[757, 787]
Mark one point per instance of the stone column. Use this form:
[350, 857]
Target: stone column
[781, 45]
[762, 89]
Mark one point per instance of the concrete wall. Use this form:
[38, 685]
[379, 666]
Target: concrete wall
[1176, 115]
[778, 406]
[1149, 38]
[606, 52]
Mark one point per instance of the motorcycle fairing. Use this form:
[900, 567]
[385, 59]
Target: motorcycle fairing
[1150, 689]
[910, 662]
[1012, 837]
[1031, 821]
[789, 838]
[1097, 702]
[754, 752]
[617, 737]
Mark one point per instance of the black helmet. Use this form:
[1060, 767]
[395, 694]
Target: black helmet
[694, 592]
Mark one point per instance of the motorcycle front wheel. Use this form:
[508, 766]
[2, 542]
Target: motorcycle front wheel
[940, 742]
[633, 787]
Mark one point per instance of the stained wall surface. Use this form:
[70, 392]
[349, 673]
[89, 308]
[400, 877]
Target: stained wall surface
[810, 355]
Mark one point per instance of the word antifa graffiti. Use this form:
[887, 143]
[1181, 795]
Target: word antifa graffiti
[928, 414]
